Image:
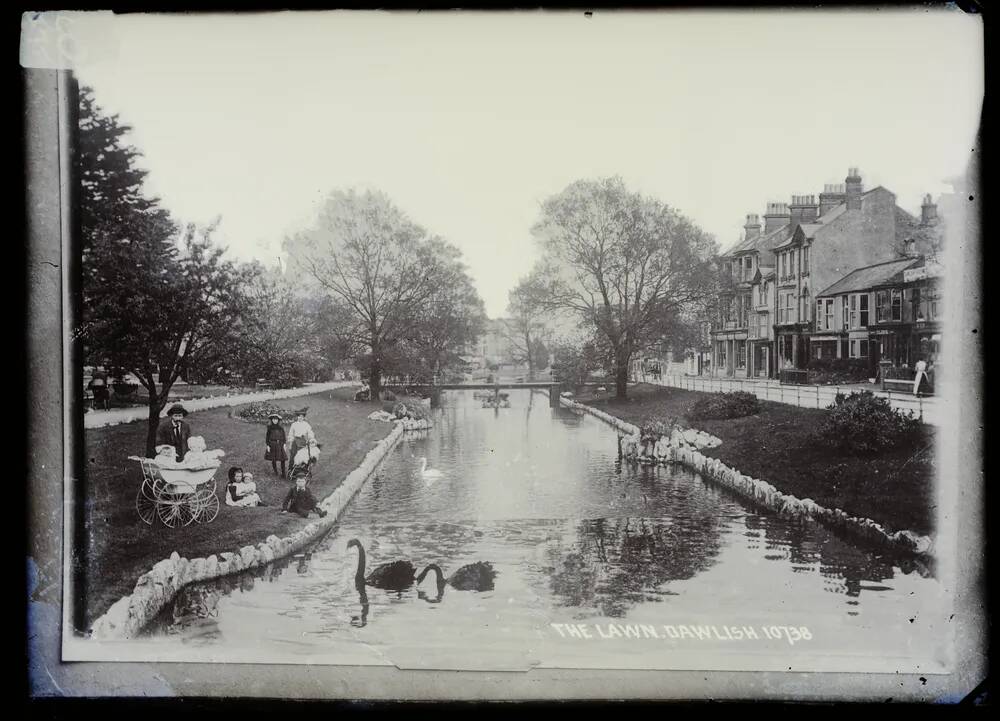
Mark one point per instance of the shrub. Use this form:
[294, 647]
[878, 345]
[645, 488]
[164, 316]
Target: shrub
[830, 371]
[717, 406]
[407, 408]
[261, 411]
[655, 426]
[865, 423]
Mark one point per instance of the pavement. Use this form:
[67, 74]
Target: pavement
[928, 409]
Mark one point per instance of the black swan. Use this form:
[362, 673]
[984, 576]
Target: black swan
[476, 576]
[362, 620]
[393, 576]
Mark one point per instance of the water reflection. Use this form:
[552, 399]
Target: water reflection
[539, 496]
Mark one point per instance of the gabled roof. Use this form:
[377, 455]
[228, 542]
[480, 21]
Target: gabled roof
[871, 276]
[762, 243]
[810, 229]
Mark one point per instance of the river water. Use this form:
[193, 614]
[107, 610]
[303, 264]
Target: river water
[599, 564]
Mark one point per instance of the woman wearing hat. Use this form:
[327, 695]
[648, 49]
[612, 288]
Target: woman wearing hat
[175, 431]
[301, 433]
[274, 443]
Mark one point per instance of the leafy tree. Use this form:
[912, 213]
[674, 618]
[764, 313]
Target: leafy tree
[450, 319]
[574, 361]
[281, 341]
[621, 263]
[150, 304]
[526, 323]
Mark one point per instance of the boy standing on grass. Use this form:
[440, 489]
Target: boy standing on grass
[300, 500]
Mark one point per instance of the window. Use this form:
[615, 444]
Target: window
[829, 314]
[918, 309]
[791, 263]
[804, 306]
[805, 259]
[933, 310]
[721, 352]
[783, 268]
[881, 306]
[786, 307]
[859, 348]
[845, 313]
[897, 305]
[741, 354]
[748, 268]
[862, 311]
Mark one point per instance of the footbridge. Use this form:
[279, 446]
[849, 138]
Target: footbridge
[552, 388]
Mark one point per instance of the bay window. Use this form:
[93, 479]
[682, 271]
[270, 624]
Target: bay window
[881, 306]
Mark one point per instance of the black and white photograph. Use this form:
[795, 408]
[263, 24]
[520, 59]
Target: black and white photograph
[569, 345]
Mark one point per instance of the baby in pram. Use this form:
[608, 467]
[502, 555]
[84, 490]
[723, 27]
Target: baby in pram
[197, 458]
[305, 458]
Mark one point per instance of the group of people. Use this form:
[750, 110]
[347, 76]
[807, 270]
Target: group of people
[177, 448]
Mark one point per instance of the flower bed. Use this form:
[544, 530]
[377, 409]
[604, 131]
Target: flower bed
[261, 411]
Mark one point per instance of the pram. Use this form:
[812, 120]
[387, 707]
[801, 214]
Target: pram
[296, 465]
[177, 496]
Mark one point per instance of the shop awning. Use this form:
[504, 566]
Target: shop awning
[821, 338]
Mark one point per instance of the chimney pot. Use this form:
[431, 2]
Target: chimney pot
[928, 211]
[777, 216]
[853, 188]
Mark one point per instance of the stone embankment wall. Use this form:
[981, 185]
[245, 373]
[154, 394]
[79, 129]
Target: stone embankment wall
[765, 495]
[158, 587]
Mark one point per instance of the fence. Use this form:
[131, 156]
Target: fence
[806, 396]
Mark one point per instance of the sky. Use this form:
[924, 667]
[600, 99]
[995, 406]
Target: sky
[468, 121]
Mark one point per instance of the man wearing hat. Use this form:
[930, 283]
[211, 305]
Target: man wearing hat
[274, 443]
[175, 431]
[300, 433]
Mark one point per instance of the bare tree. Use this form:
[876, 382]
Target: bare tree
[622, 263]
[381, 270]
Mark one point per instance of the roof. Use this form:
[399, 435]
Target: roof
[810, 229]
[870, 276]
[763, 242]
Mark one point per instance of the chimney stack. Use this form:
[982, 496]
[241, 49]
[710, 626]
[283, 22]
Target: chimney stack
[777, 216]
[803, 209]
[832, 196]
[928, 211]
[853, 188]
[752, 226]
[910, 248]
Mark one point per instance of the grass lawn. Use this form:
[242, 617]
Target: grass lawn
[122, 548]
[894, 488]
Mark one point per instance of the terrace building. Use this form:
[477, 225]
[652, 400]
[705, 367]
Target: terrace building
[767, 311]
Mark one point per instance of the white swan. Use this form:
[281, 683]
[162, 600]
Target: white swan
[428, 472]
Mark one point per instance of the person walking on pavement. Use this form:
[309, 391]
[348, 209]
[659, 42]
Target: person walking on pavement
[920, 376]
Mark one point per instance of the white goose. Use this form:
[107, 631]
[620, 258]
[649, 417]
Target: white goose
[428, 473]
